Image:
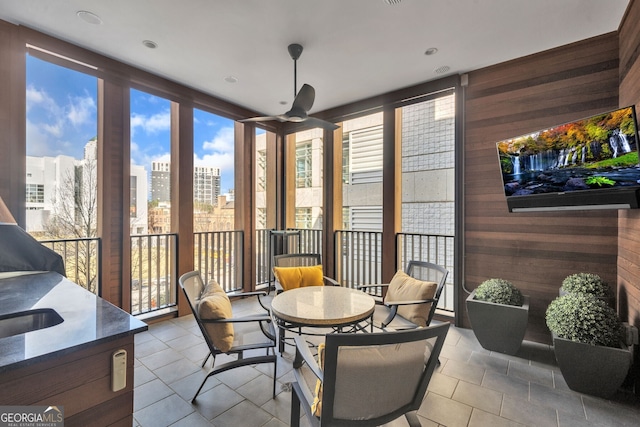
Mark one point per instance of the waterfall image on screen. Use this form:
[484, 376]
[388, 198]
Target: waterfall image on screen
[600, 152]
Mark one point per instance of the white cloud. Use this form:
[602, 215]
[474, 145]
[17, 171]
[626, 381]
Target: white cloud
[54, 129]
[150, 124]
[222, 142]
[80, 110]
[40, 98]
[223, 161]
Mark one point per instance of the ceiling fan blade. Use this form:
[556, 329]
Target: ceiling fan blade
[304, 99]
[321, 124]
[263, 119]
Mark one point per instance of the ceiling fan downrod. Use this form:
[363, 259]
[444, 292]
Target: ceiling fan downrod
[295, 50]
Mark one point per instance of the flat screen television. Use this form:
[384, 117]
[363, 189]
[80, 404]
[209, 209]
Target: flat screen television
[590, 163]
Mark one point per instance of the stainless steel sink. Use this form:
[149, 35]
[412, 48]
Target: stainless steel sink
[27, 321]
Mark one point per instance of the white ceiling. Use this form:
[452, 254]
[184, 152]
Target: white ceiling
[353, 49]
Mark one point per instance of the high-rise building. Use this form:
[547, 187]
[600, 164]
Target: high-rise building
[161, 181]
[206, 183]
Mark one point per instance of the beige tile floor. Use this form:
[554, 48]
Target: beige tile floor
[472, 387]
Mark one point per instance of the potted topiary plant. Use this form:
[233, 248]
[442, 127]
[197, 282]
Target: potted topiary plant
[587, 283]
[499, 314]
[587, 342]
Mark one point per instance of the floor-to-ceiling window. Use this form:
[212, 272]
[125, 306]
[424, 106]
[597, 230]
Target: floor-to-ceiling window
[359, 248]
[305, 209]
[61, 165]
[428, 185]
[213, 172]
[265, 203]
[308, 180]
[216, 242]
[152, 245]
[362, 173]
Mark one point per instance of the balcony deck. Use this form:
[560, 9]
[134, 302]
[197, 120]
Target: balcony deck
[472, 387]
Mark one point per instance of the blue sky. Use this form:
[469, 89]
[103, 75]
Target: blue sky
[62, 117]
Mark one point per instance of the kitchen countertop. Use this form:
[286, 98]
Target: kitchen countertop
[87, 319]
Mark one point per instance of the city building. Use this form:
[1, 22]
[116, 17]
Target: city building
[45, 175]
[138, 209]
[53, 185]
[161, 181]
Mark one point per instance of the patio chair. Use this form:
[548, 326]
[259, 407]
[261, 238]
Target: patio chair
[411, 297]
[365, 379]
[305, 260]
[224, 333]
[296, 270]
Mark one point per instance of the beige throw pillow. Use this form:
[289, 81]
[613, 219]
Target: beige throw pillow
[405, 288]
[214, 304]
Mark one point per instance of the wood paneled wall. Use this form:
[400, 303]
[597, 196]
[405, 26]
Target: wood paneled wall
[12, 121]
[535, 251]
[629, 221]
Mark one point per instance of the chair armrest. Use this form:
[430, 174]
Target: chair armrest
[331, 281]
[409, 302]
[247, 294]
[244, 319]
[380, 285]
[258, 294]
[303, 354]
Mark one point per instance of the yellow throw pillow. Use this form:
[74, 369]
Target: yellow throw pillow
[316, 407]
[405, 288]
[299, 277]
[214, 304]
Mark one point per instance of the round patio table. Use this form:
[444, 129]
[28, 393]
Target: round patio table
[320, 306]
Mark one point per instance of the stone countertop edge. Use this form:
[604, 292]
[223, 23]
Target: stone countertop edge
[88, 320]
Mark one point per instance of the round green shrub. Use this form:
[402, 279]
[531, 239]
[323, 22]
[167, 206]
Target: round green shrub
[499, 291]
[586, 283]
[584, 318]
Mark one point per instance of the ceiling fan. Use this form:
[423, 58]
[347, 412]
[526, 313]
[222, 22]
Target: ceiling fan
[303, 100]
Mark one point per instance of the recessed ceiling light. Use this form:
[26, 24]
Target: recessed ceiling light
[150, 44]
[89, 17]
[431, 51]
[442, 70]
[231, 79]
